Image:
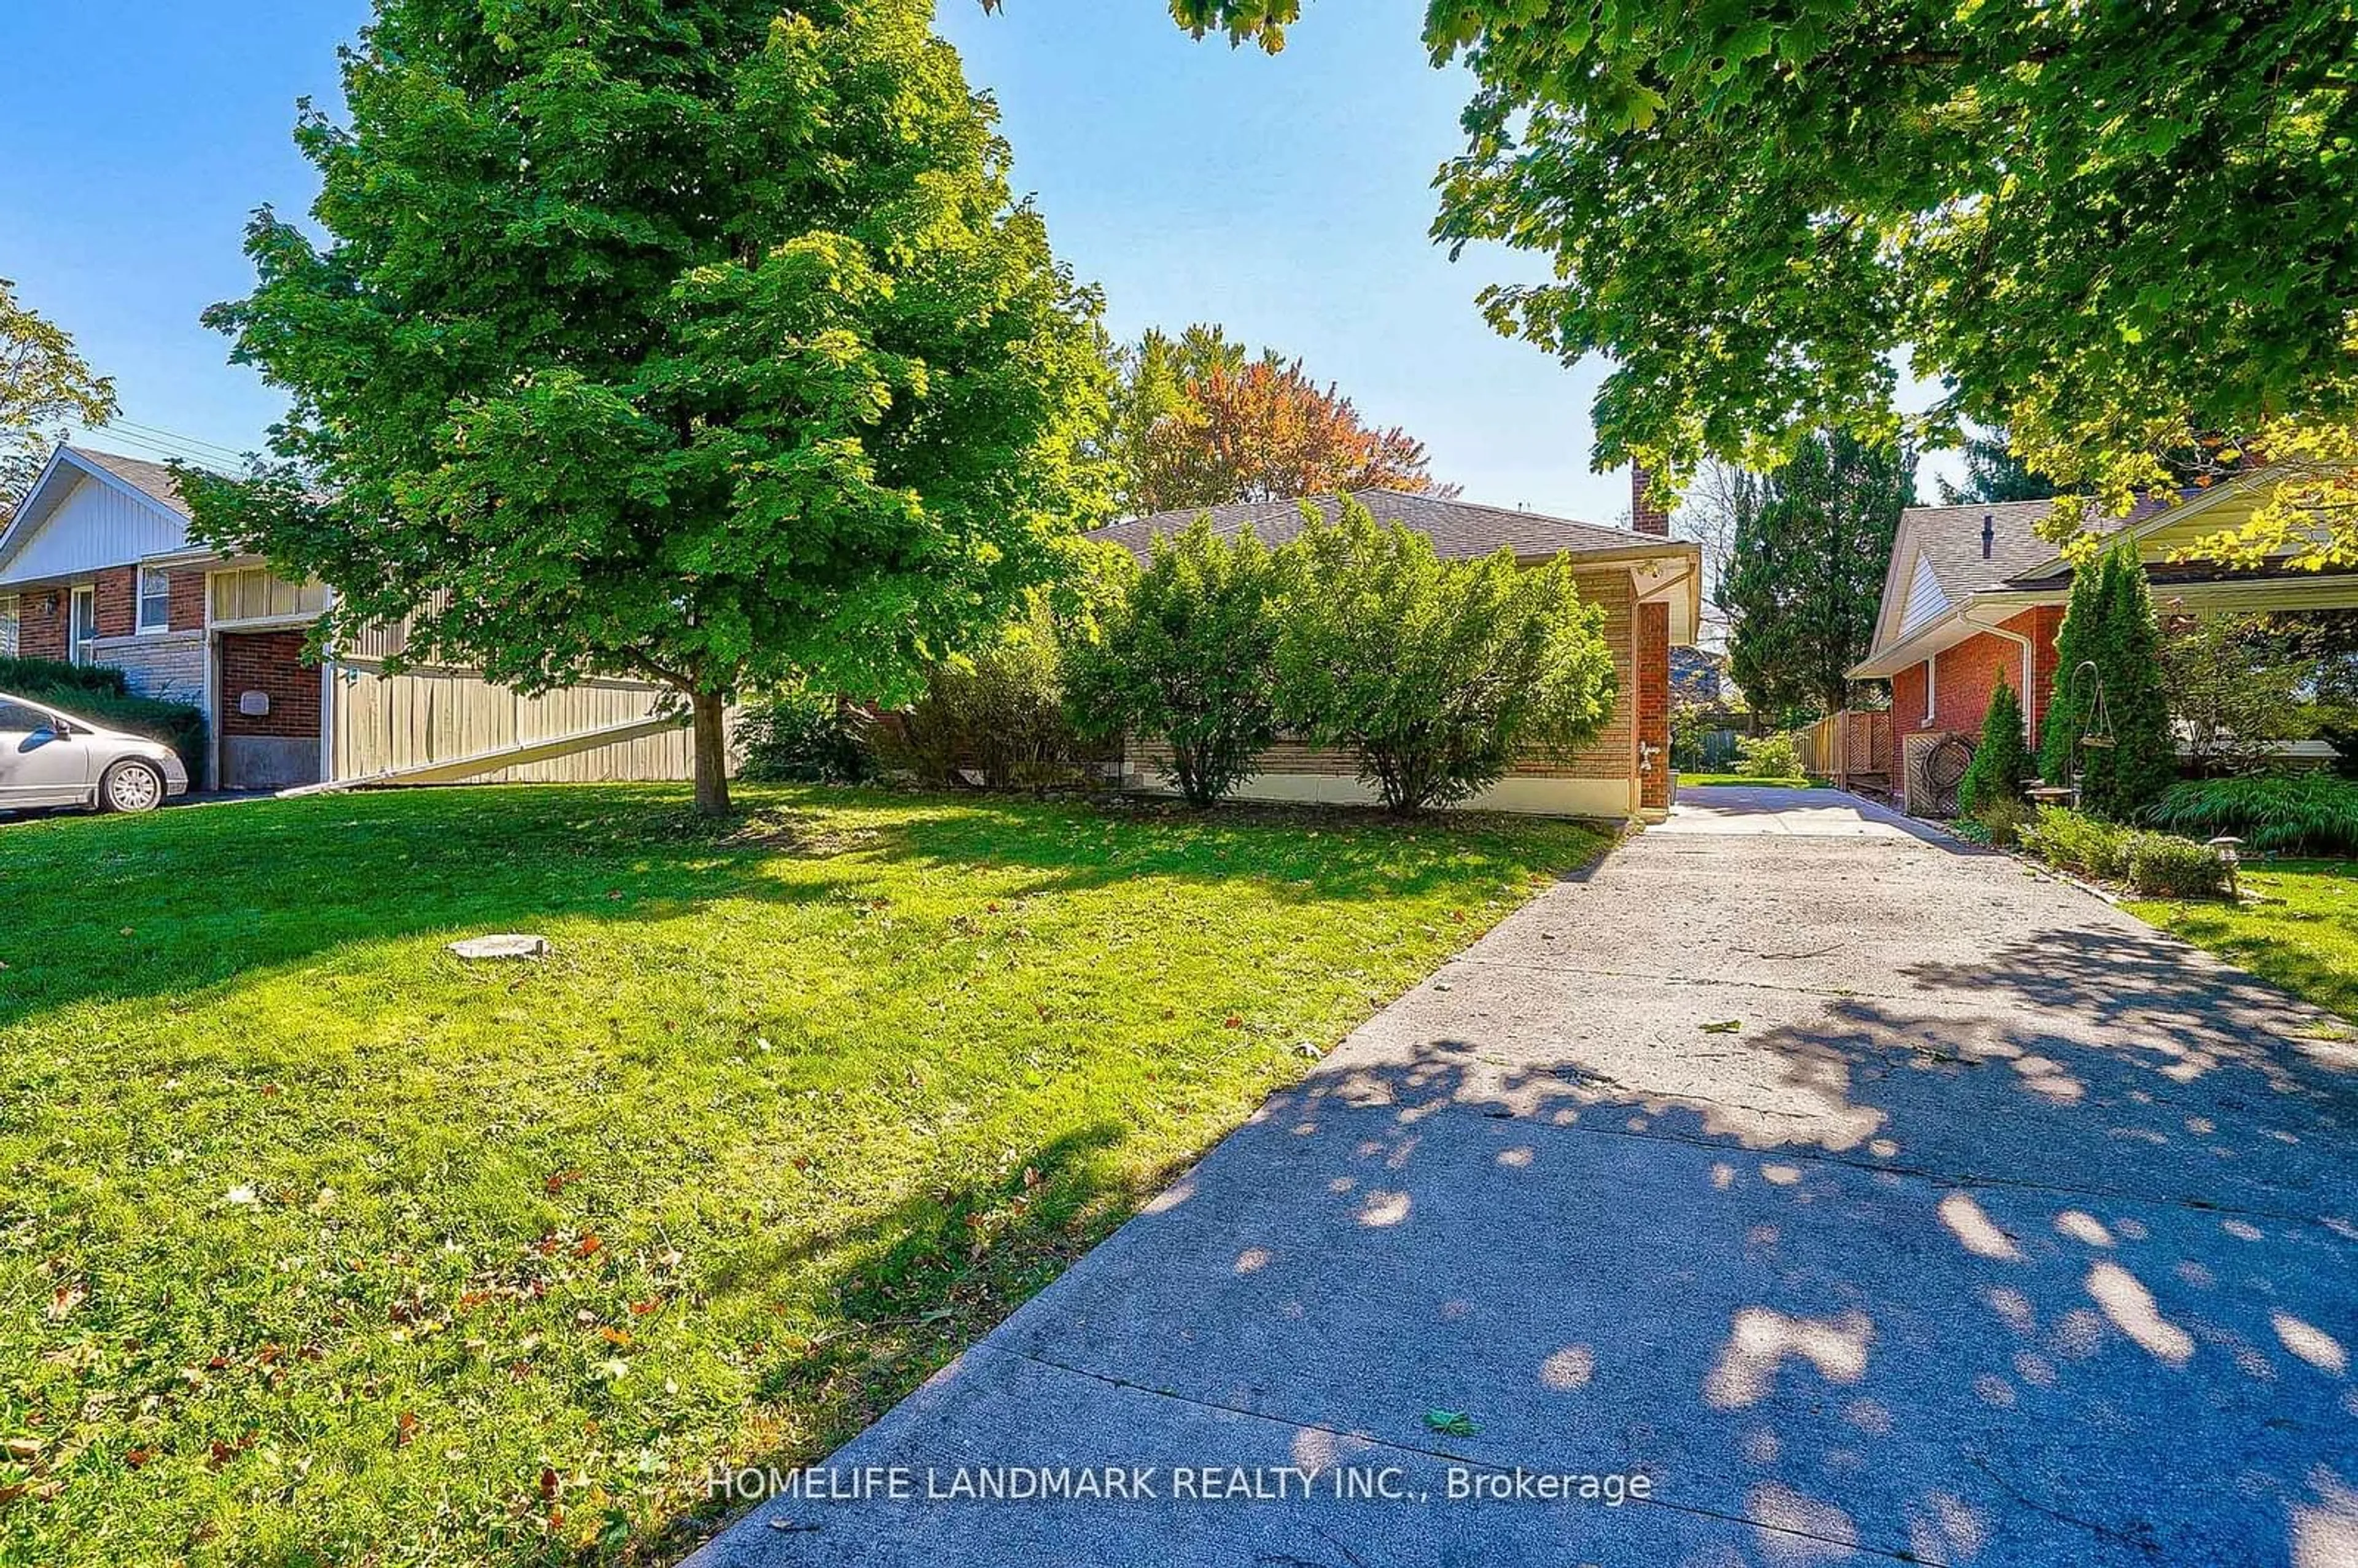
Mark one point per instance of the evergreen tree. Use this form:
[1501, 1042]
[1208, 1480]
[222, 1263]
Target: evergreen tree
[1805, 571]
[2001, 760]
[2129, 775]
[2071, 707]
[1994, 475]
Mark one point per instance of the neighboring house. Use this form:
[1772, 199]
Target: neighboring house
[97, 567]
[1973, 592]
[1648, 584]
[1698, 677]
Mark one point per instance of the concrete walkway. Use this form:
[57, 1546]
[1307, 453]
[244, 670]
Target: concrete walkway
[1871, 1198]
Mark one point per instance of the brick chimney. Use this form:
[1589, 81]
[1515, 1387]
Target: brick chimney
[1644, 515]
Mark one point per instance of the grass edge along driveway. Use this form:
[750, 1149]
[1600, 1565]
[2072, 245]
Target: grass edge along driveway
[319, 1245]
[2301, 932]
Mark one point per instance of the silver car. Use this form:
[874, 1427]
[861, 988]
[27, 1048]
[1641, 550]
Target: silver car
[48, 758]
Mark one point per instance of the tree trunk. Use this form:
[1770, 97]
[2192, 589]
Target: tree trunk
[712, 752]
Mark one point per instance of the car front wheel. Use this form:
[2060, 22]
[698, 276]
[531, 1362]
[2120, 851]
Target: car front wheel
[131, 786]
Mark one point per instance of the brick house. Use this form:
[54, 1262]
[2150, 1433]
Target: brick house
[1973, 592]
[1648, 584]
[97, 567]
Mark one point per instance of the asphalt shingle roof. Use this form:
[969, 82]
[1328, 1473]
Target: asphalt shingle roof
[1951, 539]
[153, 479]
[1460, 530]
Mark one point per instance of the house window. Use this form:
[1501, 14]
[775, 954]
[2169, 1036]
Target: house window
[1932, 687]
[81, 626]
[155, 600]
[7, 628]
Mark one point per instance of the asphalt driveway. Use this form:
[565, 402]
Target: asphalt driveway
[1869, 1197]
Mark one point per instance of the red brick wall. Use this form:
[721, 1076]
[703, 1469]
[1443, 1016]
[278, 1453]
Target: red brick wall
[269, 662]
[1653, 676]
[118, 601]
[41, 629]
[1968, 672]
[2041, 625]
[1646, 515]
[188, 613]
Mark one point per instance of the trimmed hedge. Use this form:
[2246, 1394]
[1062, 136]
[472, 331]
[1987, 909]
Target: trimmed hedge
[2288, 812]
[2162, 865]
[102, 695]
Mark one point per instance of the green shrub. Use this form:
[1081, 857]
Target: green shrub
[2000, 822]
[2075, 842]
[99, 694]
[2311, 812]
[2162, 865]
[996, 719]
[2159, 865]
[1770, 757]
[1187, 657]
[1995, 776]
[50, 677]
[1438, 675]
[802, 736]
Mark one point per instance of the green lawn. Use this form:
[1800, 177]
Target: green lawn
[2304, 936]
[1746, 781]
[319, 1246]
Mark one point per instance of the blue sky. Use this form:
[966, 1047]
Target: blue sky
[1286, 197]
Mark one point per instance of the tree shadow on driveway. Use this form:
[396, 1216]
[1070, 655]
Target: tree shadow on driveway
[2051, 1262]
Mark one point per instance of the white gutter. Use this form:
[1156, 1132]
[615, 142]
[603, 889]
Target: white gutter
[2028, 688]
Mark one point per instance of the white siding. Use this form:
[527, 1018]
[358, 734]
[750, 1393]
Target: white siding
[386, 722]
[1925, 598]
[94, 525]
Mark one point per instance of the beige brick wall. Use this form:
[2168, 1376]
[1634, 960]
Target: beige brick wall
[1613, 754]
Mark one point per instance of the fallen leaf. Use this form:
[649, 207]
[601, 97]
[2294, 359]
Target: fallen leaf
[1451, 1423]
[1725, 1026]
[589, 1243]
[1233, 1023]
[559, 1181]
[138, 1456]
[405, 1427]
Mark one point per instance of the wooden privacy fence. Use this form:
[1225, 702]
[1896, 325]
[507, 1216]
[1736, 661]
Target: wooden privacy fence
[1852, 748]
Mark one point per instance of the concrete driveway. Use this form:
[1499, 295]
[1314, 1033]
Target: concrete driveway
[1869, 1197]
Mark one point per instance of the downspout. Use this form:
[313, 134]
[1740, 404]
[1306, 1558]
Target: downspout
[2029, 674]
